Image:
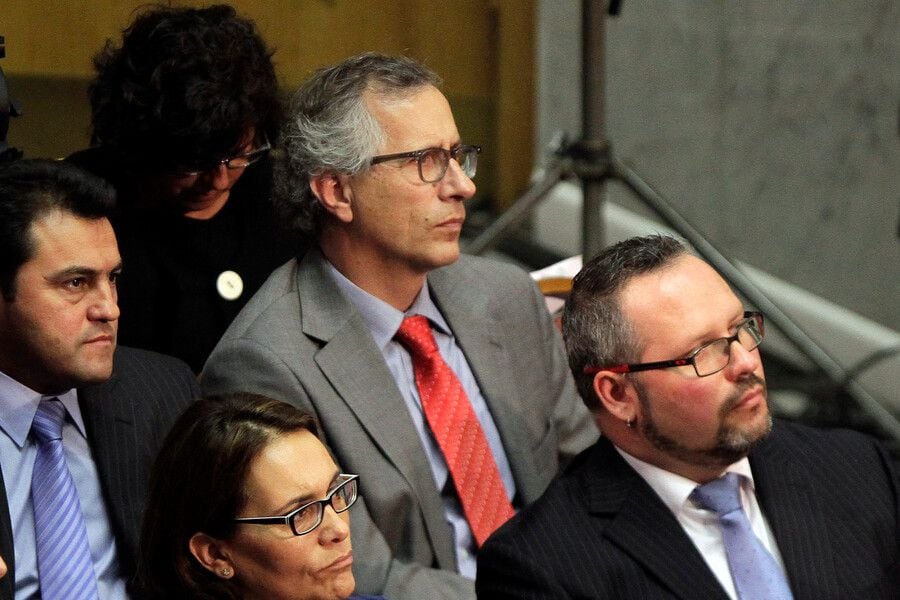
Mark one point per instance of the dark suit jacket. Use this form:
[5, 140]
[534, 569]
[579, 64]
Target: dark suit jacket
[126, 419]
[301, 341]
[600, 531]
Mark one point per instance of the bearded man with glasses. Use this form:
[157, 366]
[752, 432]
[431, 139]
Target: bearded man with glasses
[439, 378]
[694, 491]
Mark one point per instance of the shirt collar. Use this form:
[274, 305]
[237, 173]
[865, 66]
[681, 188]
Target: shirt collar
[674, 489]
[382, 319]
[18, 405]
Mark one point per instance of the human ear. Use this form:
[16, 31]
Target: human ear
[616, 394]
[212, 554]
[334, 194]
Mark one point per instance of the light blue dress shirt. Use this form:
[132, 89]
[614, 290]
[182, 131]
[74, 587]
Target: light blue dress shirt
[18, 405]
[383, 320]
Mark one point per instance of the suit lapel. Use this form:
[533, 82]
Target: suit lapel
[101, 416]
[470, 314]
[793, 507]
[644, 528]
[109, 423]
[355, 368]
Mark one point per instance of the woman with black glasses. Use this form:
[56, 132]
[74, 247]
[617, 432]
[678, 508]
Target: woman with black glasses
[246, 502]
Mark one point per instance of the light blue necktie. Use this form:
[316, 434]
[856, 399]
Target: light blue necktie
[65, 567]
[755, 573]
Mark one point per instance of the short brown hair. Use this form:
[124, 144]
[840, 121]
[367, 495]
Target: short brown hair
[594, 328]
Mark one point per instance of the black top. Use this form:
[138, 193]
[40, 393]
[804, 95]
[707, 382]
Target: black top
[168, 290]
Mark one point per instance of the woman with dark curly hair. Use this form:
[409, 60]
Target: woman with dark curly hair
[184, 113]
[228, 464]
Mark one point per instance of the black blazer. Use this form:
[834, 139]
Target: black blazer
[831, 498]
[126, 419]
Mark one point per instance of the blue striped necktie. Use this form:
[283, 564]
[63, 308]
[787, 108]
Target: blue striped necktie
[65, 567]
[754, 571]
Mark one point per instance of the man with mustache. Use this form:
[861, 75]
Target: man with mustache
[448, 441]
[80, 419]
[693, 491]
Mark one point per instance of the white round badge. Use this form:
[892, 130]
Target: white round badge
[230, 285]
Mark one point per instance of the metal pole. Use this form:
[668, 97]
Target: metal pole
[593, 126]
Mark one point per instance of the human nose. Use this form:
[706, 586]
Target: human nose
[742, 361]
[105, 305]
[218, 177]
[335, 527]
[456, 185]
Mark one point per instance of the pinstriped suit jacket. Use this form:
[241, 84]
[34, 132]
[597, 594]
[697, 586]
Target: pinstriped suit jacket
[126, 418]
[600, 531]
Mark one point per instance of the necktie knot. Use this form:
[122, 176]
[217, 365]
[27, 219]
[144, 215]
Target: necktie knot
[722, 495]
[416, 336]
[48, 421]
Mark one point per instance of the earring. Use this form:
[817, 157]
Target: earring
[630, 423]
[225, 572]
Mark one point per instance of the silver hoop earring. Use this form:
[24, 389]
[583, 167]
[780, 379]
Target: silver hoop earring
[630, 423]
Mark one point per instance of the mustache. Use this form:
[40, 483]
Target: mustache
[745, 385]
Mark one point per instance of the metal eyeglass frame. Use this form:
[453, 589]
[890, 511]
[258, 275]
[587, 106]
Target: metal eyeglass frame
[248, 159]
[753, 322]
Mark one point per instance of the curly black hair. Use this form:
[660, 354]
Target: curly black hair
[184, 87]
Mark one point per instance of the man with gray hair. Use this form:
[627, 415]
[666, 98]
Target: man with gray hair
[694, 491]
[439, 378]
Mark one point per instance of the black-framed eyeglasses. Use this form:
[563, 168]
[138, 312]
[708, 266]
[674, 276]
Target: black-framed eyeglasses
[433, 162]
[708, 359]
[304, 519]
[239, 161]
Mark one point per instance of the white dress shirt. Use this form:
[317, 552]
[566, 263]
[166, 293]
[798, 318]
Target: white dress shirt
[702, 525]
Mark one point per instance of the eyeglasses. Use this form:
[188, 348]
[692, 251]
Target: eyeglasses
[240, 161]
[708, 359]
[309, 516]
[433, 162]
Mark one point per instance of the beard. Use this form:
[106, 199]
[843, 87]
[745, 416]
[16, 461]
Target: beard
[732, 442]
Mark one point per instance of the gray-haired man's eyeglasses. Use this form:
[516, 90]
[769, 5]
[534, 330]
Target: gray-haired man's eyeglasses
[433, 162]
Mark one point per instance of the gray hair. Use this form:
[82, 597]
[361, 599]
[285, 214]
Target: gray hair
[329, 128]
[595, 331]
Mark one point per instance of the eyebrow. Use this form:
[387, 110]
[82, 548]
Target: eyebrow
[732, 323]
[304, 498]
[80, 271]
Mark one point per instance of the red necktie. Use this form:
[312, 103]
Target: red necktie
[458, 432]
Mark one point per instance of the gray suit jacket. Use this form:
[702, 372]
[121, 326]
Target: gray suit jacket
[126, 418]
[301, 341]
